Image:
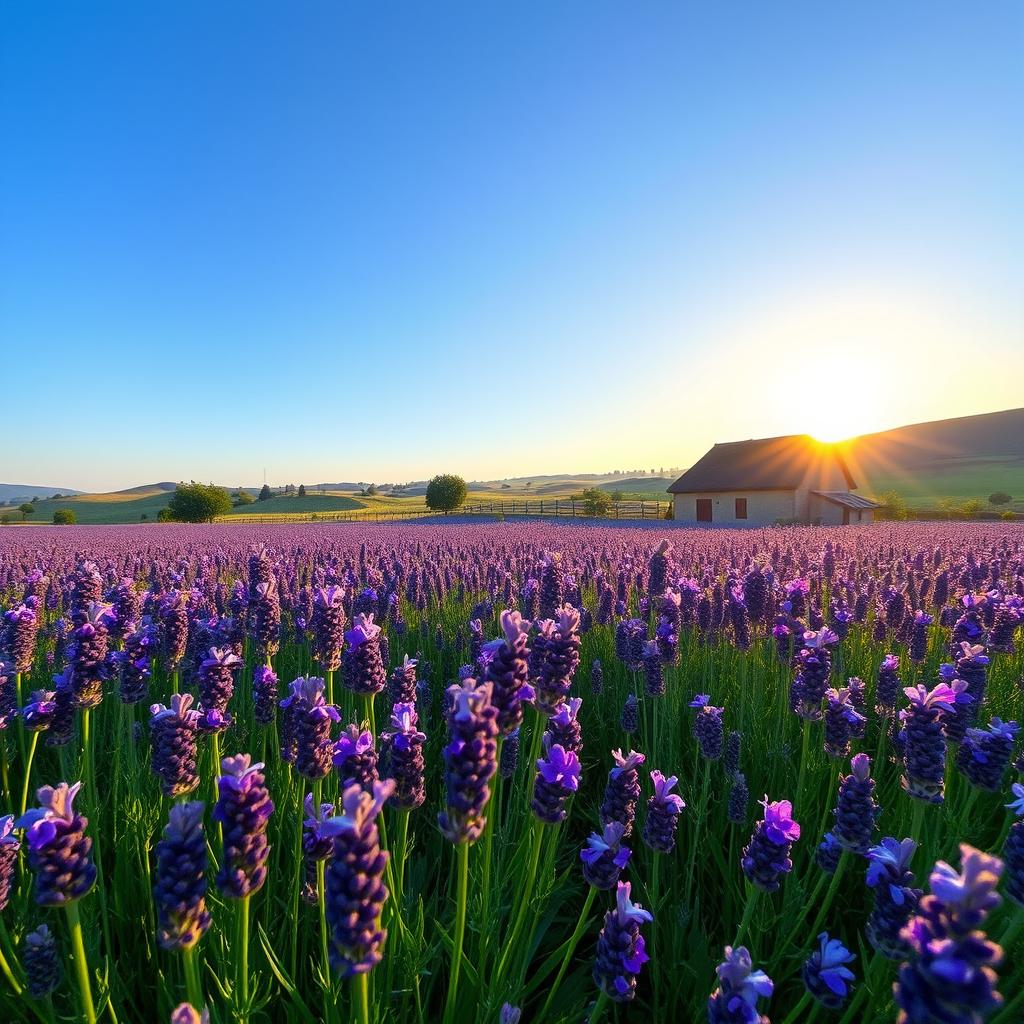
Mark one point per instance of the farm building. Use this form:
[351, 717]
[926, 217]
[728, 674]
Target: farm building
[771, 480]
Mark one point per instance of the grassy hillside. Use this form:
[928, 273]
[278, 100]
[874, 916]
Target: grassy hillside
[115, 507]
[294, 505]
[965, 457]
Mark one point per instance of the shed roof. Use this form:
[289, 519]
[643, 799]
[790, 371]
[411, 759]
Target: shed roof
[770, 463]
[846, 499]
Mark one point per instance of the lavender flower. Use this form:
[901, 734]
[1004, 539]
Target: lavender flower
[173, 614]
[739, 989]
[825, 973]
[828, 853]
[630, 719]
[180, 888]
[663, 810]
[264, 694]
[984, 754]
[310, 718]
[604, 856]
[509, 758]
[561, 656]
[42, 963]
[739, 797]
[38, 713]
[173, 736]
[654, 679]
[767, 855]
[919, 636]
[89, 654]
[62, 724]
[470, 760]
[186, 1013]
[136, 662]
[316, 844]
[508, 671]
[563, 727]
[216, 685]
[243, 807]
[21, 628]
[403, 754]
[892, 881]
[840, 718]
[355, 758]
[1013, 848]
[814, 666]
[355, 894]
[620, 947]
[552, 584]
[659, 569]
[328, 626]
[59, 851]
[708, 729]
[402, 683]
[9, 847]
[364, 667]
[622, 791]
[856, 809]
[557, 778]
[925, 754]
[950, 974]
[265, 618]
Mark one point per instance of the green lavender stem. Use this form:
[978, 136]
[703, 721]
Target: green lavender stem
[28, 771]
[242, 964]
[461, 899]
[193, 986]
[81, 965]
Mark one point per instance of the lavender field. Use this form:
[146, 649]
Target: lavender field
[511, 772]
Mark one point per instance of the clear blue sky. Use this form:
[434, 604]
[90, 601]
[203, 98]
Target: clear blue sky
[377, 241]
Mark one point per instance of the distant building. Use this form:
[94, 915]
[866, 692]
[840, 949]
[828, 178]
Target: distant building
[772, 480]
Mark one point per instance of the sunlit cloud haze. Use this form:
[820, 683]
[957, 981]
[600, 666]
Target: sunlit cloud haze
[354, 245]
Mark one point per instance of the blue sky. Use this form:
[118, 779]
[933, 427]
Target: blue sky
[359, 241]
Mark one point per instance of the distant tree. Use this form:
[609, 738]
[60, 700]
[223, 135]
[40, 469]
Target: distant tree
[596, 503]
[446, 492]
[894, 506]
[618, 496]
[302, 490]
[165, 515]
[372, 490]
[1000, 498]
[5, 519]
[198, 503]
[243, 498]
[26, 509]
[64, 517]
[971, 507]
[506, 487]
[264, 493]
[143, 517]
[35, 498]
[56, 497]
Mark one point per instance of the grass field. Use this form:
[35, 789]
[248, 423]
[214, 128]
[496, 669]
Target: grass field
[955, 478]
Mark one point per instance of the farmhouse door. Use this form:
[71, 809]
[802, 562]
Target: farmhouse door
[846, 517]
[703, 510]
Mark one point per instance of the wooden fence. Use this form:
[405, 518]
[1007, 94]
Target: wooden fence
[568, 508]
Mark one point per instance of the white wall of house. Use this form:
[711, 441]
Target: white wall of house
[764, 508]
[826, 475]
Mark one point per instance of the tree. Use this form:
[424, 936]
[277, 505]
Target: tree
[165, 515]
[971, 507]
[1000, 498]
[26, 509]
[198, 503]
[5, 519]
[56, 497]
[372, 490]
[596, 502]
[446, 492]
[264, 493]
[893, 506]
[618, 496]
[302, 490]
[64, 517]
[244, 498]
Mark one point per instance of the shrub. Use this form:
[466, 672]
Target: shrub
[244, 498]
[596, 503]
[26, 509]
[1000, 498]
[618, 496]
[165, 515]
[64, 517]
[198, 503]
[446, 492]
[5, 519]
[893, 506]
[1008, 516]
[264, 493]
[302, 490]
[371, 490]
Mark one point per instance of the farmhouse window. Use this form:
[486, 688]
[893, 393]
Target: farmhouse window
[741, 508]
[703, 510]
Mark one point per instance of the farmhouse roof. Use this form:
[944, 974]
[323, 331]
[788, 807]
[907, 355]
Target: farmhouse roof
[847, 500]
[770, 463]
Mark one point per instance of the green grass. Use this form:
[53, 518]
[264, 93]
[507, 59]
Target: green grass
[94, 509]
[293, 504]
[955, 478]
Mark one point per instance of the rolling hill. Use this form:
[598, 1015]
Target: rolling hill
[965, 457]
[17, 493]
